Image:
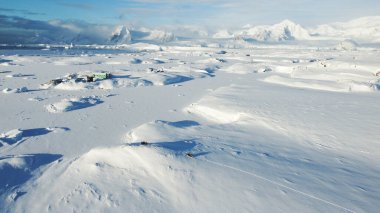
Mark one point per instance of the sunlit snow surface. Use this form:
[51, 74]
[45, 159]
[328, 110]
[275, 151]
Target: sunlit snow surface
[270, 128]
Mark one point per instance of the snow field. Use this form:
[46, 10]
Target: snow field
[278, 130]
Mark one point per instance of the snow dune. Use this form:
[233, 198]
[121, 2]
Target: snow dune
[158, 176]
[254, 160]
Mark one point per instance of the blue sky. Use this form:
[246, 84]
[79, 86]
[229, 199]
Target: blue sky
[218, 13]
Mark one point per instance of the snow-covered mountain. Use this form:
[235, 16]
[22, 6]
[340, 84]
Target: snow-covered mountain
[365, 29]
[121, 35]
[283, 31]
[223, 34]
[362, 30]
[17, 30]
[155, 35]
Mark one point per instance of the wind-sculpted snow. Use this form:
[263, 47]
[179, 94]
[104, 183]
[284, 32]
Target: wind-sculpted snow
[191, 127]
[15, 136]
[16, 170]
[246, 68]
[334, 74]
[11, 137]
[17, 90]
[247, 105]
[66, 105]
[343, 86]
[227, 163]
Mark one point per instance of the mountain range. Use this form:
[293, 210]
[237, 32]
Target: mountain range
[366, 29]
[16, 30]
